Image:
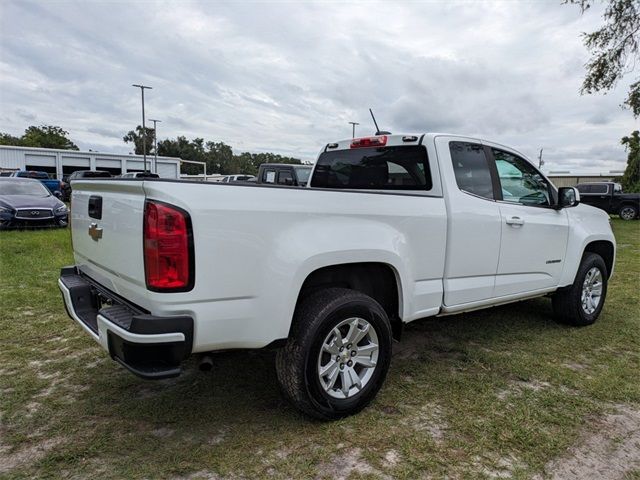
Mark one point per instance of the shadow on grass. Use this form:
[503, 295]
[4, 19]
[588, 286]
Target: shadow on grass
[242, 386]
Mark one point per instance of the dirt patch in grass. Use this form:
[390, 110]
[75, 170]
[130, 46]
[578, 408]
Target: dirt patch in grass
[10, 459]
[609, 450]
[349, 462]
[518, 386]
[428, 418]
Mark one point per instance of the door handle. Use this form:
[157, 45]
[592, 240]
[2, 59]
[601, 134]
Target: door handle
[515, 221]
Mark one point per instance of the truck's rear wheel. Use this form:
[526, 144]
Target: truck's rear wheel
[338, 353]
[628, 212]
[581, 303]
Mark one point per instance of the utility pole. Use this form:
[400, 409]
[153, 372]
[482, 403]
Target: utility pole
[540, 161]
[144, 129]
[353, 129]
[155, 144]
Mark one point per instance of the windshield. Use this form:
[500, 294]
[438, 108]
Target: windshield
[303, 174]
[23, 188]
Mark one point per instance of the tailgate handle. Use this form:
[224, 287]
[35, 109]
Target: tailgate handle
[95, 207]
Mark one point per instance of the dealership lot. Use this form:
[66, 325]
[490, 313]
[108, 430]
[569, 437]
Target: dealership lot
[500, 392]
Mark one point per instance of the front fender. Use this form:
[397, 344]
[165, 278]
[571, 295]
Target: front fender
[586, 225]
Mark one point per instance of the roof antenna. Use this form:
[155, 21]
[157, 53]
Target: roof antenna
[378, 131]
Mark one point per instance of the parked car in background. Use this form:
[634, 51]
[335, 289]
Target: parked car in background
[26, 202]
[55, 186]
[139, 175]
[84, 174]
[391, 229]
[237, 178]
[293, 175]
[609, 197]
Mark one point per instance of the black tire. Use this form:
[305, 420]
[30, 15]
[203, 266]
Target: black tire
[567, 303]
[628, 212]
[296, 364]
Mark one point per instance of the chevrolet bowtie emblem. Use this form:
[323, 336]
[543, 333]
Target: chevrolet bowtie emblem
[95, 232]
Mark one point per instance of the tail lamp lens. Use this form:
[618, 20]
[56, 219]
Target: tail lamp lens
[168, 249]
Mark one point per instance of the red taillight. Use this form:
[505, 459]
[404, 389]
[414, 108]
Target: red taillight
[168, 251]
[369, 142]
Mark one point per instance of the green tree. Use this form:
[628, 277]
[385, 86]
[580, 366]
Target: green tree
[614, 49]
[631, 177]
[218, 156]
[8, 139]
[187, 150]
[137, 139]
[44, 136]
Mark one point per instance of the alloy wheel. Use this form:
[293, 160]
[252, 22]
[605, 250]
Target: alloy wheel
[348, 358]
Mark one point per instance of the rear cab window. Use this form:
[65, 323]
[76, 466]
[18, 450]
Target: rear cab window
[285, 177]
[374, 168]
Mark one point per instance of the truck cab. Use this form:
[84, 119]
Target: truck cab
[53, 185]
[292, 175]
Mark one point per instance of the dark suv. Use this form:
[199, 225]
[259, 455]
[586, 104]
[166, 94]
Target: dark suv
[609, 197]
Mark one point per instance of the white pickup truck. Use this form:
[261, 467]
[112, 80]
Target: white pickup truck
[390, 229]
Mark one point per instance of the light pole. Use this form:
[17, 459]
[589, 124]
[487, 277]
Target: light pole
[144, 129]
[353, 129]
[155, 144]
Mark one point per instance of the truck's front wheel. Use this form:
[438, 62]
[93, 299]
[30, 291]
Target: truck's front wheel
[581, 303]
[338, 353]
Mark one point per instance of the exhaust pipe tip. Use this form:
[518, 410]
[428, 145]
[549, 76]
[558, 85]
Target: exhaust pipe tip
[206, 363]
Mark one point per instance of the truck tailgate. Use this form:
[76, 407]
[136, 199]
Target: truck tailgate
[106, 225]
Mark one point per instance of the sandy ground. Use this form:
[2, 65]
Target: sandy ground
[608, 450]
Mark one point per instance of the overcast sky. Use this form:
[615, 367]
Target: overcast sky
[287, 77]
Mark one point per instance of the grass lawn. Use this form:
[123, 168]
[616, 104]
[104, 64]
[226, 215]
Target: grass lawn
[503, 392]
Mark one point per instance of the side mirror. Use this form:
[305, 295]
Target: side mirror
[568, 197]
[58, 194]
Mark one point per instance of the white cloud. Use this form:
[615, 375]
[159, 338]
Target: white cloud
[287, 77]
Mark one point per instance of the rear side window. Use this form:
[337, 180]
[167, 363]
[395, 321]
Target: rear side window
[385, 168]
[471, 168]
[600, 188]
[584, 188]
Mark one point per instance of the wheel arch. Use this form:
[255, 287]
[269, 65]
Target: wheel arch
[379, 280]
[605, 249]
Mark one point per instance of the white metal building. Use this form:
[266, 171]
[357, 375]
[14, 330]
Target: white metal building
[569, 179]
[63, 162]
